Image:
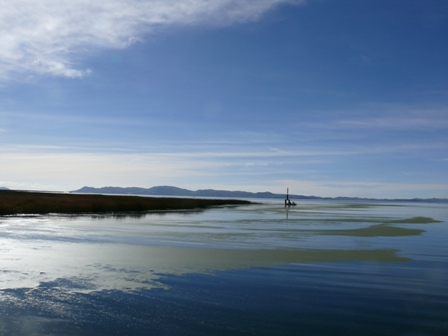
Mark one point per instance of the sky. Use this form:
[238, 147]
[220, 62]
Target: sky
[324, 97]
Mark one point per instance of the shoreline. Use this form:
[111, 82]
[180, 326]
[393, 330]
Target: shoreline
[29, 202]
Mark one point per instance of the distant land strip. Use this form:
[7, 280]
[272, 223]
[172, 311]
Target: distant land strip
[27, 202]
[174, 191]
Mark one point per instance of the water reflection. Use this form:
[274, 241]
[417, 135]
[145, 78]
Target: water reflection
[129, 251]
[93, 267]
[137, 214]
[330, 268]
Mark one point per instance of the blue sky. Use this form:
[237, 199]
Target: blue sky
[326, 97]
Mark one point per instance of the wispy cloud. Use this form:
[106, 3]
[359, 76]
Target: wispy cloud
[387, 117]
[50, 37]
[57, 168]
[430, 121]
[70, 168]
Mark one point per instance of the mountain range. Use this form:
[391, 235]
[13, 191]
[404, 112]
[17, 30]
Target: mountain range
[174, 191]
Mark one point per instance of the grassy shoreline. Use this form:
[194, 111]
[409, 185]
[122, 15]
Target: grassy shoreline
[25, 202]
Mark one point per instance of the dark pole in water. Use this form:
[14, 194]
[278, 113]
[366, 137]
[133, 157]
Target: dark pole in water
[287, 200]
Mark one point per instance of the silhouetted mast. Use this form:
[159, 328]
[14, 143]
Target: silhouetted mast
[287, 200]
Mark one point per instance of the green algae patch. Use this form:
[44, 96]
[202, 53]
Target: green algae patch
[414, 220]
[190, 260]
[374, 231]
[316, 255]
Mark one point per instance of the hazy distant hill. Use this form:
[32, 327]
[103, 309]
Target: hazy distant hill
[174, 191]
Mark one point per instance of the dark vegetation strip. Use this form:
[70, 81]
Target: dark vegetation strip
[23, 202]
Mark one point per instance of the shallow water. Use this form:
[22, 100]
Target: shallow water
[327, 268]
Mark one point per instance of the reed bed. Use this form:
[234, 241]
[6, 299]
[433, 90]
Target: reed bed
[24, 202]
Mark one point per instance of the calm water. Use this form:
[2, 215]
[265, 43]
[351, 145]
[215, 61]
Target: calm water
[321, 268]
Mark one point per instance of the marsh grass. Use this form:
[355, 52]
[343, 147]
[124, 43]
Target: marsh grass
[23, 202]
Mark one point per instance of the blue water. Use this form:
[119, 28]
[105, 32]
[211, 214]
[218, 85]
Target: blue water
[321, 268]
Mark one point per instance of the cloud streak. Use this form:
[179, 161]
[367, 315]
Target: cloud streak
[69, 171]
[51, 37]
[388, 117]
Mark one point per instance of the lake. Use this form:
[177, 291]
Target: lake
[320, 268]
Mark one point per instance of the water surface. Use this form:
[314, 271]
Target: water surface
[325, 267]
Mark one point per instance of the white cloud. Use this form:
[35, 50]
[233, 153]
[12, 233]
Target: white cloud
[49, 37]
